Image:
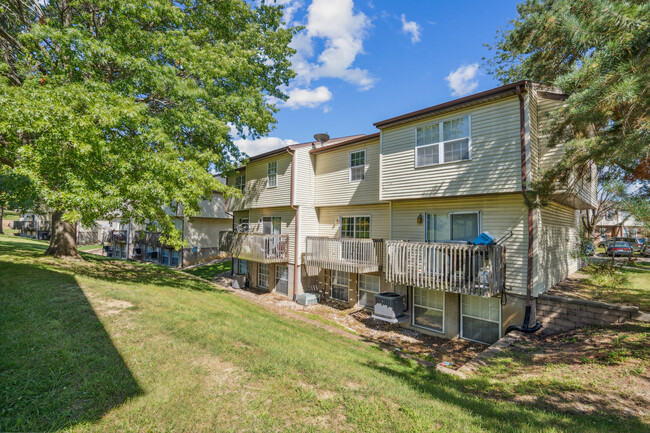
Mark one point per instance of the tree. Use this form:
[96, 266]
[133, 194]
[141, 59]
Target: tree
[113, 108]
[596, 51]
[590, 218]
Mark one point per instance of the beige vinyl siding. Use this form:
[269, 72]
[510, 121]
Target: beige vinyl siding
[257, 194]
[533, 124]
[213, 208]
[333, 186]
[329, 219]
[235, 203]
[558, 241]
[204, 232]
[548, 155]
[288, 227]
[585, 188]
[499, 214]
[495, 166]
[304, 196]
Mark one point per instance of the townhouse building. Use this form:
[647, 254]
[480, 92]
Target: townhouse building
[397, 210]
[126, 239]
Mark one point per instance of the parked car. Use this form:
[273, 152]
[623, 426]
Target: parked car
[588, 249]
[619, 248]
[645, 250]
[635, 243]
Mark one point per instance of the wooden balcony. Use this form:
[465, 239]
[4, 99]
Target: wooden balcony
[467, 269]
[257, 247]
[150, 238]
[117, 236]
[343, 254]
[24, 225]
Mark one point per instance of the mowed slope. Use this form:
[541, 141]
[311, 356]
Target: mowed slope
[106, 345]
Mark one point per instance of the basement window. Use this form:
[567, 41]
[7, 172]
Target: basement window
[369, 285]
[340, 285]
[480, 319]
[429, 309]
[263, 275]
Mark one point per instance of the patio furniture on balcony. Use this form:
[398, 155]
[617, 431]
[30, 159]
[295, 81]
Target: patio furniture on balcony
[467, 269]
[345, 254]
[256, 247]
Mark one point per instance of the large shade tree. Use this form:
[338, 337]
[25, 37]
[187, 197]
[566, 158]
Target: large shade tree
[598, 52]
[114, 108]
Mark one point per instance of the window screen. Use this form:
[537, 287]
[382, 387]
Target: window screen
[340, 285]
[481, 318]
[263, 275]
[357, 165]
[428, 308]
[369, 285]
[272, 174]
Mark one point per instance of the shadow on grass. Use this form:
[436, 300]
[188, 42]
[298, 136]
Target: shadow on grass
[500, 415]
[59, 366]
[100, 267]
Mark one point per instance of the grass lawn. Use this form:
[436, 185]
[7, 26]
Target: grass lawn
[10, 215]
[620, 285]
[108, 345]
[89, 247]
[209, 271]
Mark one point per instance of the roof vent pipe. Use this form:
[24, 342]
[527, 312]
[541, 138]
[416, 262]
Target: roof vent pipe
[321, 138]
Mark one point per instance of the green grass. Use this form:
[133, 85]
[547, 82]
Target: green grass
[10, 215]
[89, 247]
[209, 271]
[618, 285]
[105, 345]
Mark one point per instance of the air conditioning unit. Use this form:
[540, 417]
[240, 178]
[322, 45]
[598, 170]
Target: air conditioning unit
[389, 307]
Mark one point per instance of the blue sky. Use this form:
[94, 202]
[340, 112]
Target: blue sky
[362, 61]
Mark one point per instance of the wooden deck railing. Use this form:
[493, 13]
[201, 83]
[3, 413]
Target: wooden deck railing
[257, 247]
[467, 269]
[118, 236]
[343, 254]
[24, 225]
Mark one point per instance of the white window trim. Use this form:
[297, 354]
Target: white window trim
[428, 214]
[355, 216]
[441, 144]
[338, 285]
[444, 316]
[271, 217]
[477, 318]
[268, 183]
[350, 166]
[281, 279]
[243, 186]
[359, 289]
[268, 276]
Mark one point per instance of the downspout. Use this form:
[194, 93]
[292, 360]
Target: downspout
[529, 268]
[297, 232]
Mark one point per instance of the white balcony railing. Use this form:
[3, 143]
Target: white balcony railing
[467, 269]
[257, 247]
[343, 254]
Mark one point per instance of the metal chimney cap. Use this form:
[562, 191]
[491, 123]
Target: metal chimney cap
[322, 138]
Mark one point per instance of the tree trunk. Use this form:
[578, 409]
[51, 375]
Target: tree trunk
[63, 238]
[2, 211]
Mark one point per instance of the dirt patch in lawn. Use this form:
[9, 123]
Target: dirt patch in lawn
[590, 370]
[358, 321]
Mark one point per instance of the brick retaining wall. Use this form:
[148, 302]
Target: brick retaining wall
[560, 314]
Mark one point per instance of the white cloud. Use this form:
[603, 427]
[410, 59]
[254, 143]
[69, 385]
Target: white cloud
[261, 145]
[463, 80]
[307, 98]
[412, 28]
[342, 32]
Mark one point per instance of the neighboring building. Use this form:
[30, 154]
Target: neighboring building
[351, 217]
[617, 223]
[127, 240]
[35, 225]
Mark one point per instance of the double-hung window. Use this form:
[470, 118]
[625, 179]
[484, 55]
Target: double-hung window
[272, 174]
[357, 166]
[282, 279]
[340, 285]
[240, 183]
[429, 309]
[369, 285]
[263, 275]
[355, 227]
[442, 142]
[481, 318]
